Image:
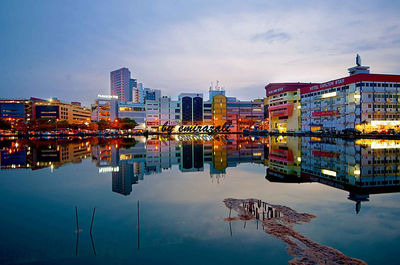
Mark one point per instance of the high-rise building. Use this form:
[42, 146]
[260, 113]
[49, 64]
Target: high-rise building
[120, 84]
[192, 108]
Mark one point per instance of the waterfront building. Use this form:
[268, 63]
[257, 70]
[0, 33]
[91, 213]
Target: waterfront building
[134, 111]
[57, 110]
[191, 108]
[105, 108]
[243, 115]
[363, 101]
[17, 110]
[170, 111]
[120, 84]
[283, 107]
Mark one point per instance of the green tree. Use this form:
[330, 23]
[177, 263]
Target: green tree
[4, 124]
[103, 124]
[127, 123]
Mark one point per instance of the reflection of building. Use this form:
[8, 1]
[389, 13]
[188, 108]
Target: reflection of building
[363, 167]
[188, 153]
[23, 154]
[284, 159]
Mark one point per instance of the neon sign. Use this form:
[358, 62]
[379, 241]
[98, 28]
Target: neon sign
[107, 96]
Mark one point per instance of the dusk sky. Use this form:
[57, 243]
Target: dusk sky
[66, 49]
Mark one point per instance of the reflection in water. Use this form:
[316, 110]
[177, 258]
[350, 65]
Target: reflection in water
[278, 221]
[362, 167]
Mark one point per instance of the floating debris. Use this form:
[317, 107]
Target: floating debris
[278, 220]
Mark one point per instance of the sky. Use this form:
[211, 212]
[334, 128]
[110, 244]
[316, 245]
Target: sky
[66, 49]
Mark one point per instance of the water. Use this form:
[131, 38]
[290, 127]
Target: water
[180, 184]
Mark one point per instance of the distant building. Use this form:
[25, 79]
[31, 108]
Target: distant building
[16, 109]
[120, 84]
[134, 111]
[192, 108]
[57, 110]
[105, 109]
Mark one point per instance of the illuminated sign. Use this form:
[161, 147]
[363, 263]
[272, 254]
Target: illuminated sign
[206, 129]
[108, 169]
[328, 172]
[107, 96]
[329, 95]
[376, 123]
[385, 145]
[325, 113]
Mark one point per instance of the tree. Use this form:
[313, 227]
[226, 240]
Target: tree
[4, 124]
[103, 124]
[93, 126]
[127, 123]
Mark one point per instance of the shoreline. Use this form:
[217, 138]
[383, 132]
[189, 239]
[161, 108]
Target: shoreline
[252, 133]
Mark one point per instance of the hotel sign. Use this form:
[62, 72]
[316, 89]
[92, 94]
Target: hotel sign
[107, 96]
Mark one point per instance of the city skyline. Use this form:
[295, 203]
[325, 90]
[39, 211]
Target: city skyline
[54, 50]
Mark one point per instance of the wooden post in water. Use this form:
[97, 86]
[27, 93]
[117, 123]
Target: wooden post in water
[138, 226]
[77, 231]
[90, 232]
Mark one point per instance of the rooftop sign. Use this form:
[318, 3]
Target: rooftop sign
[107, 96]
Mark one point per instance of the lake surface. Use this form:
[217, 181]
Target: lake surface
[161, 200]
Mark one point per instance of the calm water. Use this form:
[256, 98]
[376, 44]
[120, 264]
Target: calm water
[180, 185]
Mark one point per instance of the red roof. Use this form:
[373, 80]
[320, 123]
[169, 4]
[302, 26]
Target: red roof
[349, 80]
[277, 88]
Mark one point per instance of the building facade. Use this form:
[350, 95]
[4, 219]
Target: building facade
[363, 101]
[120, 84]
[191, 108]
[57, 110]
[283, 106]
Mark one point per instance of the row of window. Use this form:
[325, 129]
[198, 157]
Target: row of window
[376, 85]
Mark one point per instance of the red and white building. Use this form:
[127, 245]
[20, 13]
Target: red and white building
[363, 101]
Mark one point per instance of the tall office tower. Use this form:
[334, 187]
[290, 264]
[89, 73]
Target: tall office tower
[120, 81]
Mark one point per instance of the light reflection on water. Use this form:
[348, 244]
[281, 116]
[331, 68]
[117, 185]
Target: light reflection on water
[181, 182]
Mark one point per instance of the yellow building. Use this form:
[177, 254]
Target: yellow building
[219, 110]
[284, 108]
[284, 157]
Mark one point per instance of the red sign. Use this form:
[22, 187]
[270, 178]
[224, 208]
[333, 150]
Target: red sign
[324, 113]
[277, 88]
[324, 153]
[281, 155]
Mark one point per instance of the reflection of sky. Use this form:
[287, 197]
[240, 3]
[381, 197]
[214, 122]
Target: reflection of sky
[180, 218]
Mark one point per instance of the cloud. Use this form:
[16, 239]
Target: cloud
[271, 36]
[260, 43]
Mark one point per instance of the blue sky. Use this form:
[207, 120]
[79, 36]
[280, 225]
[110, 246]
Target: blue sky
[66, 49]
